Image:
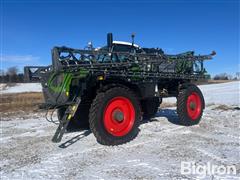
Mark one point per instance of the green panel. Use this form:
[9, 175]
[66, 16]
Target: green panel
[136, 69]
[82, 73]
[64, 85]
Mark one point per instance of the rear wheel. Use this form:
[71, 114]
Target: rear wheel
[115, 116]
[150, 106]
[190, 105]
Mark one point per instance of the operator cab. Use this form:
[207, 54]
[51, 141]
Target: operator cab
[118, 47]
[122, 46]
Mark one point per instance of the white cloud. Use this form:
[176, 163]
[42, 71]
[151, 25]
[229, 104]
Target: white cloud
[19, 59]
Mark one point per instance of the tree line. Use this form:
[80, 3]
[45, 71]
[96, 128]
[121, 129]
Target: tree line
[225, 76]
[11, 75]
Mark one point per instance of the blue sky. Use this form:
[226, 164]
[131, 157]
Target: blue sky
[29, 29]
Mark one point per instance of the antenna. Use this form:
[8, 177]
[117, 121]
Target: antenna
[109, 40]
[133, 35]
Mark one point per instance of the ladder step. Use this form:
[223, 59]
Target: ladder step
[59, 132]
[63, 123]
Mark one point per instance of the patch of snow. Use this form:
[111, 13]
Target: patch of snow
[20, 88]
[28, 153]
[223, 93]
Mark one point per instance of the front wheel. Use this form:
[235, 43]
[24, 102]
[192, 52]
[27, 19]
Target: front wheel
[115, 116]
[190, 105]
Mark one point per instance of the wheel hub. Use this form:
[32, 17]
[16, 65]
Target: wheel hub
[192, 105]
[118, 115]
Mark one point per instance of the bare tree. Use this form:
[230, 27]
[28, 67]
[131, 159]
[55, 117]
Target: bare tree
[12, 71]
[2, 76]
[222, 76]
[12, 74]
[2, 72]
[230, 77]
[238, 75]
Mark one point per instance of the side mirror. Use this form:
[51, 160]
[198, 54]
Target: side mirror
[213, 53]
[109, 40]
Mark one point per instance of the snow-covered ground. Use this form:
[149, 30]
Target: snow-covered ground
[28, 153]
[20, 88]
[223, 93]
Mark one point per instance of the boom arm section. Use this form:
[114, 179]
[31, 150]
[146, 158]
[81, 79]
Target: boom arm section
[71, 59]
[66, 59]
[35, 73]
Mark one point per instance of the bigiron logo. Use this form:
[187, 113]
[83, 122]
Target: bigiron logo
[206, 169]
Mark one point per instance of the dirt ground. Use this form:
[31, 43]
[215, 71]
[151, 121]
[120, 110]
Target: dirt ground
[28, 153]
[17, 102]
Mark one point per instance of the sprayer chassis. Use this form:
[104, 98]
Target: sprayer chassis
[113, 91]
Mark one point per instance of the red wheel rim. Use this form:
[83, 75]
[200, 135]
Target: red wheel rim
[194, 105]
[119, 116]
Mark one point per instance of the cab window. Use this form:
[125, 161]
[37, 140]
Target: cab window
[122, 48]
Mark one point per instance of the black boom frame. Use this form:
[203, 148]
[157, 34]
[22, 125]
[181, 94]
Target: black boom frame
[144, 65]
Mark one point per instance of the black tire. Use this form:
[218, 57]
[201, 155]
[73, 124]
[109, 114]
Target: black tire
[99, 108]
[150, 106]
[190, 105]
